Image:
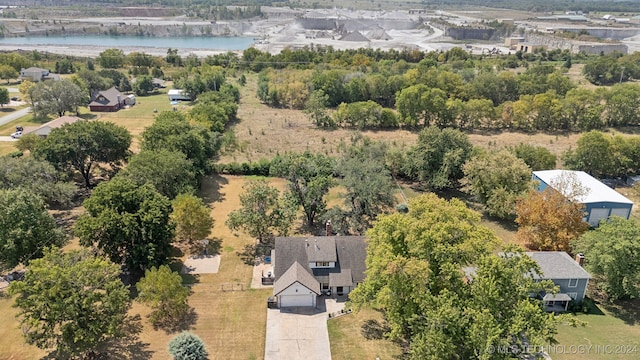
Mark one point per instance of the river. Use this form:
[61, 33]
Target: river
[183, 42]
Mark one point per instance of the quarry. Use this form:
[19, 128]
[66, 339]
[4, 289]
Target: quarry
[280, 28]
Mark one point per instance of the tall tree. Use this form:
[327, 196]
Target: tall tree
[4, 97]
[162, 290]
[129, 223]
[7, 73]
[25, 90]
[192, 219]
[415, 264]
[168, 171]
[437, 158]
[111, 58]
[593, 155]
[72, 302]
[368, 184]
[57, 97]
[310, 177]
[143, 85]
[263, 212]
[172, 131]
[316, 109]
[611, 252]
[84, 144]
[92, 82]
[551, 219]
[497, 179]
[39, 177]
[536, 157]
[25, 227]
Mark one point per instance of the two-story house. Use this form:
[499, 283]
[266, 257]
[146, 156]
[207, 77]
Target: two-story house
[567, 273]
[36, 74]
[307, 267]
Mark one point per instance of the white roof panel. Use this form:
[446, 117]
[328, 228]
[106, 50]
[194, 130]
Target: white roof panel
[597, 191]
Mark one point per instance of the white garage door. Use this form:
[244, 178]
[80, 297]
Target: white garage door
[622, 212]
[596, 215]
[296, 300]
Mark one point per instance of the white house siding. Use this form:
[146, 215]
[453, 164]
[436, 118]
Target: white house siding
[297, 295]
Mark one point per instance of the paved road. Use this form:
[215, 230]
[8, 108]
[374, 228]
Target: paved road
[14, 115]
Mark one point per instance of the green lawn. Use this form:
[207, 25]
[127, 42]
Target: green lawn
[611, 333]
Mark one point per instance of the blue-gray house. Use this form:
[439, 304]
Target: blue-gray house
[600, 201]
[566, 273]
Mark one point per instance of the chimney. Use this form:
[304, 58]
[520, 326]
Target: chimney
[307, 242]
[328, 228]
[580, 259]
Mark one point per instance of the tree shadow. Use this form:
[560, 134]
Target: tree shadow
[374, 330]
[590, 306]
[127, 347]
[214, 246]
[88, 116]
[625, 310]
[177, 265]
[251, 252]
[172, 325]
[210, 188]
[7, 110]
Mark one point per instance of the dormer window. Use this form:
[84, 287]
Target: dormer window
[322, 264]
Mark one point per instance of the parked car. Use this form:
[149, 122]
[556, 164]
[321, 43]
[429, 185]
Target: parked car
[16, 134]
[15, 98]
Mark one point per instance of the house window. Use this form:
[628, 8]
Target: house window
[573, 295]
[322, 263]
[573, 282]
[324, 286]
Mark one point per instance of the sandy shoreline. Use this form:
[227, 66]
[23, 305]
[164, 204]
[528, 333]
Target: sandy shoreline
[95, 50]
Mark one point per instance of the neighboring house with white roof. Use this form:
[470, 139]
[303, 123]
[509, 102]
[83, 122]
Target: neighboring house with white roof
[177, 95]
[566, 273]
[600, 201]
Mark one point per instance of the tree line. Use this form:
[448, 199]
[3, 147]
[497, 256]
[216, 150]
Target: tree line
[539, 99]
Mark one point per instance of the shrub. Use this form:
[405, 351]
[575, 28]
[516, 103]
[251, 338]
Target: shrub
[187, 346]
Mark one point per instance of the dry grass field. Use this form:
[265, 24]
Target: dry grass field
[349, 343]
[263, 132]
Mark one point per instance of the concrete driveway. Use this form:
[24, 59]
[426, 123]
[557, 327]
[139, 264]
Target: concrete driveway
[7, 138]
[299, 333]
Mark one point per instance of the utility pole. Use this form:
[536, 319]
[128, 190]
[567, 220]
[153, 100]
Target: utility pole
[621, 73]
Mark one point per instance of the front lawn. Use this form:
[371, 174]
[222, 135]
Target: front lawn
[349, 343]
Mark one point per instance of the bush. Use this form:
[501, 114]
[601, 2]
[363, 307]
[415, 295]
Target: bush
[258, 168]
[187, 346]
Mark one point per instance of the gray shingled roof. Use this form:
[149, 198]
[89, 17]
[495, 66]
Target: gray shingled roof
[107, 97]
[557, 265]
[351, 252]
[343, 278]
[296, 273]
[321, 248]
